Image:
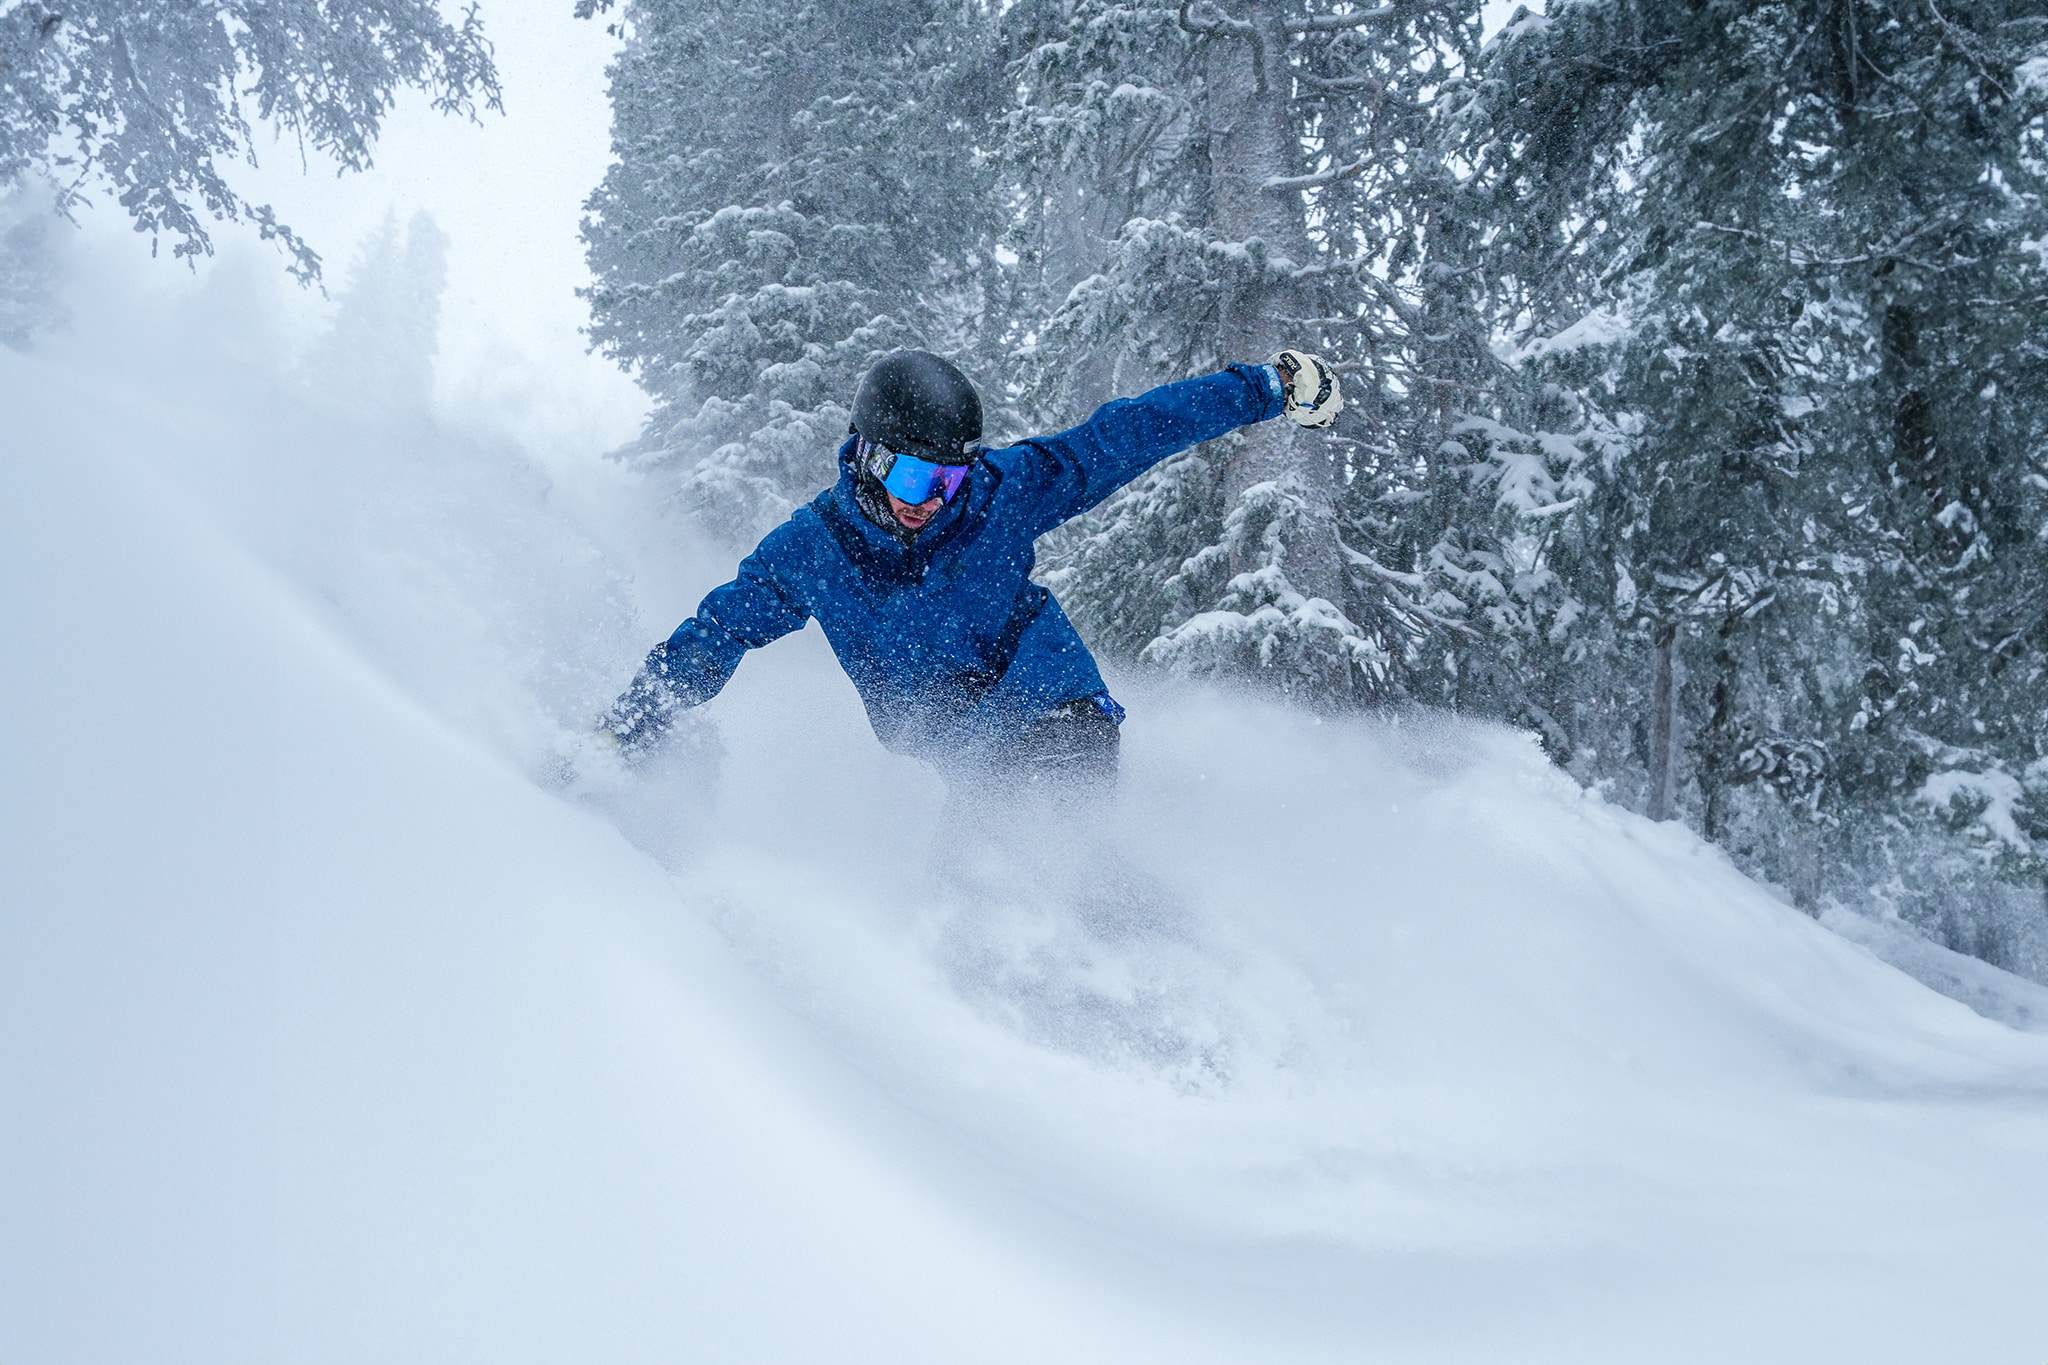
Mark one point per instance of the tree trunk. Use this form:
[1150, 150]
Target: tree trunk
[1077, 234]
[1253, 139]
[1717, 766]
[1806, 870]
[1663, 714]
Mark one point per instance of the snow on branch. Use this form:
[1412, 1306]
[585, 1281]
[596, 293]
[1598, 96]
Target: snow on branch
[1305, 182]
[1800, 256]
[1354, 82]
[1337, 23]
[1214, 20]
[1357, 81]
[1969, 46]
[1987, 798]
[1416, 584]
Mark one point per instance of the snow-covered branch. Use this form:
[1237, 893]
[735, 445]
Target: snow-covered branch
[1379, 570]
[1798, 255]
[1968, 47]
[1306, 182]
[1214, 21]
[1370, 83]
[1413, 583]
[1337, 23]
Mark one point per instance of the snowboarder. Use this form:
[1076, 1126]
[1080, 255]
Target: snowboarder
[917, 564]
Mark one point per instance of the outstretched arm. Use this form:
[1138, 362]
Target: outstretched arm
[690, 667]
[1077, 469]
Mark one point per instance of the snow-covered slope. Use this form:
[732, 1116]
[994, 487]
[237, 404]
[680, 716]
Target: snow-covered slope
[329, 1033]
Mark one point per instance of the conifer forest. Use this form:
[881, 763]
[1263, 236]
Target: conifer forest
[1698, 414]
[1697, 411]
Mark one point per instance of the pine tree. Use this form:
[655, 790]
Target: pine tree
[1802, 232]
[1271, 169]
[1943, 179]
[380, 347]
[796, 192]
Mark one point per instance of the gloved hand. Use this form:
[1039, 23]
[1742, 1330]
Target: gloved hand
[651, 719]
[640, 720]
[1313, 396]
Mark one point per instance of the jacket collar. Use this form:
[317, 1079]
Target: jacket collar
[908, 557]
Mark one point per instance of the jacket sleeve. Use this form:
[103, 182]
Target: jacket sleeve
[1073, 471]
[692, 665]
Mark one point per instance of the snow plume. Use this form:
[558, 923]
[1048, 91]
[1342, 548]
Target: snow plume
[328, 1033]
[452, 555]
[31, 245]
[379, 349]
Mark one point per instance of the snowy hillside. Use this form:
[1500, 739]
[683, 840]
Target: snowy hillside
[330, 1030]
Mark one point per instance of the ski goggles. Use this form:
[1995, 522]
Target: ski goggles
[913, 480]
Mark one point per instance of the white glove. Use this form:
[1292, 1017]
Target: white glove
[1313, 396]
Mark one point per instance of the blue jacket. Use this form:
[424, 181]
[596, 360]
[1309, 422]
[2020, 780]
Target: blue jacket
[951, 645]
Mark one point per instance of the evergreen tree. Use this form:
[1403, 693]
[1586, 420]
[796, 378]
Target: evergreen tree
[1943, 186]
[1801, 234]
[1241, 178]
[796, 192]
[380, 347]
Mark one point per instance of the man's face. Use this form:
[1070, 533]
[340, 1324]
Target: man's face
[913, 515]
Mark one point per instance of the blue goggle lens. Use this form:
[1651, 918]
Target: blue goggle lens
[913, 480]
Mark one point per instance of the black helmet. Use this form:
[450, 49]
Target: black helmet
[919, 404]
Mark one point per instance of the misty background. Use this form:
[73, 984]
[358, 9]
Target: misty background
[332, 1025]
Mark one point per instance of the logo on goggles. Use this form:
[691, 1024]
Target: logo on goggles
[914, 480]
